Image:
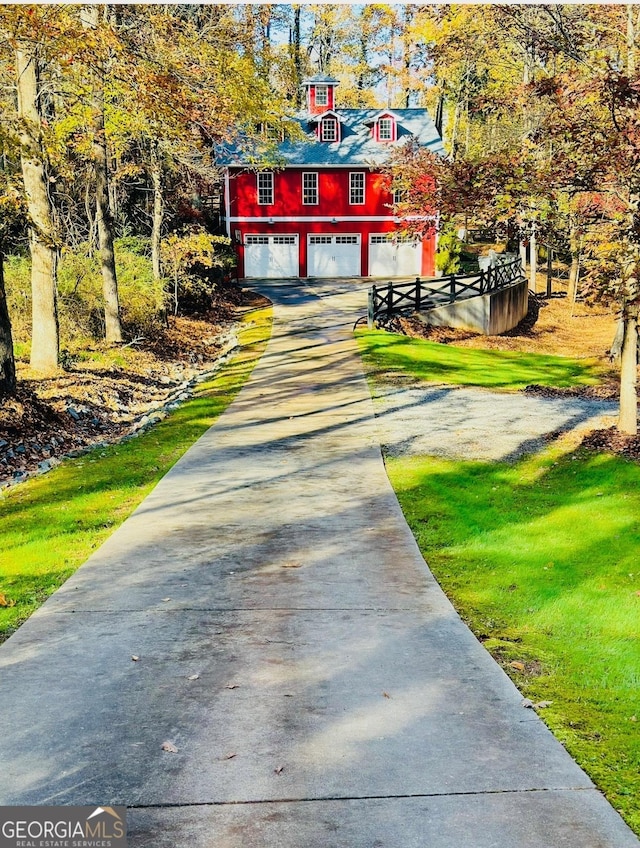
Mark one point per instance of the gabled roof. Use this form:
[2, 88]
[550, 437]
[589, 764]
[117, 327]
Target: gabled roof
[381, 114]
[356, 147]
[330, 113]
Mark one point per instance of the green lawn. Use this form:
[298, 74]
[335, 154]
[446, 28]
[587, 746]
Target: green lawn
[51, 524]
[541, 559]
[388, 353]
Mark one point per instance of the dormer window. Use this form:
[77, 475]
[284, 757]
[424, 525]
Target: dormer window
[272, 132]
[322, 95]
[385, 129]
[384, 126]
[329, 129]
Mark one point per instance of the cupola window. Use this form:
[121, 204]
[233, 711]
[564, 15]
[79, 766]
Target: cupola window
[322, 95]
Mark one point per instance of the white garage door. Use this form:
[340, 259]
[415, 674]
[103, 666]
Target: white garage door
[393, 255]
[334, 256]
[271, 256]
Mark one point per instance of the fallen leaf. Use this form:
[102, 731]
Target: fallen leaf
[633, 718]
[279, 769]
[229, 756]
[519, 666]
[386, 695]
[231, 686]
[6, 602]
[526, 703]
[193, 677]
[135, 657]
[170, 747]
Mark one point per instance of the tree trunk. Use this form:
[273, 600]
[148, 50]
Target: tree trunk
[628, 419]
[104, 218]
[439, 118]
[574, 271]
[631, 41]
[454, 128]
[158, 210]
[533, 260]
[45, 342]
[7, 362]
[297, 57]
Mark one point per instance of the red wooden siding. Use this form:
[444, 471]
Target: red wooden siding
[333, 191]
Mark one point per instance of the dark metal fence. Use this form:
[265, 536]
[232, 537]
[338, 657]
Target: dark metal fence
[397, 298]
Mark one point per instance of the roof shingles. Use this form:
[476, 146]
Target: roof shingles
[356, 147]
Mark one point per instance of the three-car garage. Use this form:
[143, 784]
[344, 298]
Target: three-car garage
[325, 255]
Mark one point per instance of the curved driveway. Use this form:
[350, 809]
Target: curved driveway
[293, 646]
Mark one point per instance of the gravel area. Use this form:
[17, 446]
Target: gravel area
[463, 423]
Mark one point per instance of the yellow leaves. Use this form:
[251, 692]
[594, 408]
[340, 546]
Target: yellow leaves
[191, 247]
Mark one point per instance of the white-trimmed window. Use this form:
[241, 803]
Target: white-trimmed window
[309, 188]
[385, 129]
[356, 187]
[399, 195]
[265, 188]
[329, 129]
[322, 95]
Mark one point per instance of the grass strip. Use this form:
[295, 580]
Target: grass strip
[541, 560]
[391, 353]
[52, 523]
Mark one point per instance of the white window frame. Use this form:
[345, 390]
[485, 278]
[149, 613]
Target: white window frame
[357, 183]
[322, 95]
[399, 195]
[265, 188]
[325, 123]
[387, 123]
[310, 184]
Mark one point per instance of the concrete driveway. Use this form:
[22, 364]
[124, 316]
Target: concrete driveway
[320, 690]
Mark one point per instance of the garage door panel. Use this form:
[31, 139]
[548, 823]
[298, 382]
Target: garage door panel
[334, 256]
[394, 256]
[271, 256]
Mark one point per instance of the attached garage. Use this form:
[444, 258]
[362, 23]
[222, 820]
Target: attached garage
[271, 256]
[393, 255]
[334, 256]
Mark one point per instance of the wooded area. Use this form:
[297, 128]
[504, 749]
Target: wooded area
[111, 115]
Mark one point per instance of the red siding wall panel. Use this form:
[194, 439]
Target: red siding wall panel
[333, 190]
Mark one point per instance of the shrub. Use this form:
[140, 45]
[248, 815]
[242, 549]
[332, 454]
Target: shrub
[80, 302]
[449, 251]
[195, 261]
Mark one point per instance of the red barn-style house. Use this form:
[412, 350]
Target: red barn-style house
[325, 211]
